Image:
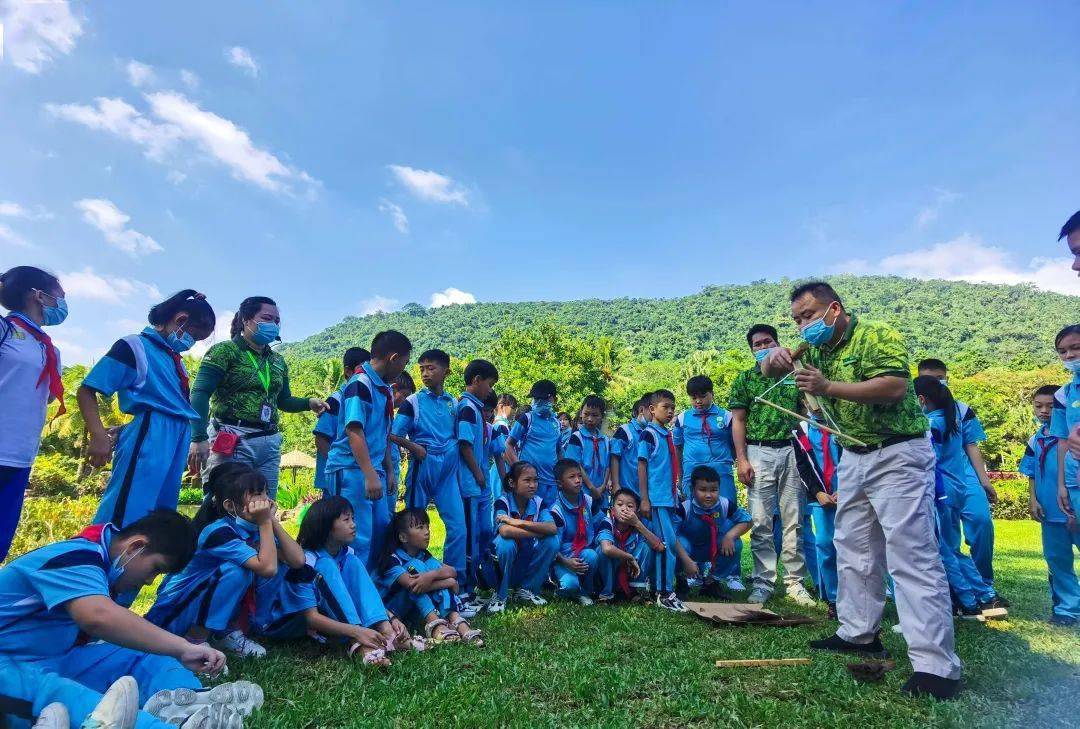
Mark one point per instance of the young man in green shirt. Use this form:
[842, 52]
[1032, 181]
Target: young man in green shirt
[860, 371]
[765, 459]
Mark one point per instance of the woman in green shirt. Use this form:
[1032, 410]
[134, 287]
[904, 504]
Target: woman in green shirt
[241, 388]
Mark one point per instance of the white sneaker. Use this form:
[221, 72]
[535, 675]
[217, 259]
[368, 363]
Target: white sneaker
[238, 643]
[799, 595]
[177, 705]
[215, 716]
[118, 708]
[495, 605]
[529, 596]
[472, 606]
[585, 600]
[759, 596]
[671, 602]
[53, 716]
[693, 583]
[735, 584]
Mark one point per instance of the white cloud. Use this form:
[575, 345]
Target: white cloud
[375, 304]
[113, 224]
[139, 74]
[11, 209]
[86, 284]
[430, 186]
[931, 212]
[121, 119]
[189, 79]
[241, 58]
[401, 222]
[36, 33]
[11, 238]
[968, 258]
[451, 296]
[176, 177]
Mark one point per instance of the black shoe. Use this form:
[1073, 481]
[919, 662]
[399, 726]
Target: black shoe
[997, 602]
[831, 614]
[1063, 621]
[713, 590]
[834, 642]
[927, 684]
[966, 613]
[682, 589]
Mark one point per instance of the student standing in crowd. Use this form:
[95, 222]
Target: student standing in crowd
[536, 438]
[591, 449]
[326, 424]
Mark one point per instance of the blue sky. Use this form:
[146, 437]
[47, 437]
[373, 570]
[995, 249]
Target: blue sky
[342, 157]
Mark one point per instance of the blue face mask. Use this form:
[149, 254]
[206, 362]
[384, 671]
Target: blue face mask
[54, 315]
[265, 332]
[1072, 366]
[542, 407]
[180, 341]
[761, 354]
[119, 565]
[818, 332]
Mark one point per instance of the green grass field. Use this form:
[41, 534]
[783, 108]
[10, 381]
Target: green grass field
[563, 665]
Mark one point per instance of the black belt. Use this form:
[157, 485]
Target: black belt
[261, 428]
[770, 443]
[863, 450]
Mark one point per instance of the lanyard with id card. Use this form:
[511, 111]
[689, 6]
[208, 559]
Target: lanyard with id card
[266, 412]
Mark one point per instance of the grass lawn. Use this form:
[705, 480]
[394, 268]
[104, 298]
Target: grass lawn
[563, 665]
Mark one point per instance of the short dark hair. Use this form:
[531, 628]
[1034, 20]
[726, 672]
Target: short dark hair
[543, 390]
[1071, 329]
[563, 465]
[820, 290]
[353, 358]
[1050, 390]
[932, 363]
[662, 394]
[594, 401]
[509, 400]
[167, 533]
[626, 492]
[643, 402]
[437, 356]
[188, 301]
[699, 385]
[405, 381]
[319, 521]
[704, 473]
[480, 368]
[1070, 226]
[17, 283]
[759, 329]
[390, 342]
[491, 401]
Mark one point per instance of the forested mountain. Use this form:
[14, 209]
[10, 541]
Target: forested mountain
[972, 326]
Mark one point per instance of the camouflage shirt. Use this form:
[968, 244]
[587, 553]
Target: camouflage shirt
[762, 421]
[870, 349]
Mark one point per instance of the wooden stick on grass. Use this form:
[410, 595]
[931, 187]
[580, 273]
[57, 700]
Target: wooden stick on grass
[763, 662]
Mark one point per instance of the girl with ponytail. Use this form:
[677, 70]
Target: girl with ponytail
[147, 373]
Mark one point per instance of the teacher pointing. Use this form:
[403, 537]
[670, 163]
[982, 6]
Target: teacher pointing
[860, 371]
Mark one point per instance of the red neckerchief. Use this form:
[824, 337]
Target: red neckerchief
[705, 427]
[674, 455]
[51, 370]
[622, 536]
[178, 363]
[595, 450]
[711, 521]
[581, 535]
[1046, 444]
[828, 467]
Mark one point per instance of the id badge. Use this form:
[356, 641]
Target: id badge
[266, 412]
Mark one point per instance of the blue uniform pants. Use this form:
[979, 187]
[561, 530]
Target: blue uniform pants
[572, 584]
[415, 608]
[978, 529]
[13, 482]
[347, 594]
[210, 604]
[727, 480]
[393, 480]
[949, 523]
[721, 567]
[662, 524]
[371, 515]
[608, 568]
[479, 560]
[1058, 544]
[436, 479]
[824, 521]
[524, 563]
[547, 490]
[150, 458]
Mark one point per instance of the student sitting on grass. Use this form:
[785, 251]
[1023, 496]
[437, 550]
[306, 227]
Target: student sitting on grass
[626, 549]
[591, 448]
[332, 594]
[526, 539]
[415, 584]
[573, 513]
[240, 540]
[65, 638]
[710, 528]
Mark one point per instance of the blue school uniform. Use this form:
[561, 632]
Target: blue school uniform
[537, 440]
[523, 563]
[208, 592]
[405, 604]
[965, 580]
[1064, 419]
[705, 438]
[657, 449]
[44, 656]
[500, 433]
[701, 531]
[564, 437]
[577, 534]
[476, 529]
[326, 426]
[826, 455]
[592, 450]
[973, 503]
[393, 478]
[368, 402]
[624, 445]
[612, 572]
[281, 602]
[1041, 466]
[151, 451]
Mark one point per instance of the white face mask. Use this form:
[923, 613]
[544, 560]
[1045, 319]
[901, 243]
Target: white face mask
[119, 565]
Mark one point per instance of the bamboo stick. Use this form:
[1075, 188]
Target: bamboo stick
[813, 423]
[763, 662]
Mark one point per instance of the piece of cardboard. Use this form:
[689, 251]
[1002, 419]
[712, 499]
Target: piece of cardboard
[731, 613]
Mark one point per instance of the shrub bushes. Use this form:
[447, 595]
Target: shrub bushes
[47, 520]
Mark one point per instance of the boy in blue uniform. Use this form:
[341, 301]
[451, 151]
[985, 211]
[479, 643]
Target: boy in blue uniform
[356, 466]
[817, 457]
[505, 414]
[710, 529]
[424, 427]
[624, 445]
[1040, 465]
[64, 638]
[566, 429]
[590, 448]
[326, 424]
[535, 438]
[573, 514]
[471, 435]
[658, 483]
[625, 546]
[403, 387]
[1065, 419]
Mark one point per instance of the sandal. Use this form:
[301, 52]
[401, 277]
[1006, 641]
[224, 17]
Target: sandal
[417, 643]
[373, 656]
[445, 634]
[472, 636]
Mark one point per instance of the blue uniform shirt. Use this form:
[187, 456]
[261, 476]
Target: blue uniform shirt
[951, 458]
[534, 511]
[625, 539]
[701, 526]
[537, 440]
[326, 426]
[402, 562]
[35, 588]
[142, 370]
[1064, 419]
[1040, 464]
[226, 540]
[471, 428]
[704, 436]
[972, 431]
[655, 448]
[427, 419]
[290, 591]
[624, 444]
[366, 401]
[592, 450]
[570, 518]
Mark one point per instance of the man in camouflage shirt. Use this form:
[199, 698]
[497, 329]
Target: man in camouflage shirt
[861, 372]
[765, 459]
